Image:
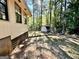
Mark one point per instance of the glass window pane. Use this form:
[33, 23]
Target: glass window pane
[3, 1]
[25, 21]
[2, 8]
[2, 15]
[18, 14]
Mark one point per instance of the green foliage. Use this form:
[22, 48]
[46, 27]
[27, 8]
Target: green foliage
[61, 14]
[72, 15]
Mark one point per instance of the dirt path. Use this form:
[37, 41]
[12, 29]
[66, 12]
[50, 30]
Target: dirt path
[41, 46]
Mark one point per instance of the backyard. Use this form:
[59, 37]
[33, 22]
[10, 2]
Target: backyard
[44, 46]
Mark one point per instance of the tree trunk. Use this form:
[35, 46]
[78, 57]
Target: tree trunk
[55, 17]
[41, 12]
[33, 15]
[50, 11]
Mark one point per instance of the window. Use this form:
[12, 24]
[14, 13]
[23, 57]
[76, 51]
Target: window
[3, 10]
[25, 18]
[18, 14]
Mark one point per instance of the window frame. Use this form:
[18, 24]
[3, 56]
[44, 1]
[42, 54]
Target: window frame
[5, 12]
[18, 13]
[25, 18]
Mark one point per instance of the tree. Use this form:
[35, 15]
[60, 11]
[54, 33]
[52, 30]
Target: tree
[73, 15]
[41, 11]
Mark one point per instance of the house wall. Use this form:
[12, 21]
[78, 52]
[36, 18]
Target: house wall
[5, 46]
[11, 27]
[12, 33]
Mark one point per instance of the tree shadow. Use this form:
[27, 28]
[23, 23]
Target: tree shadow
[55, 44]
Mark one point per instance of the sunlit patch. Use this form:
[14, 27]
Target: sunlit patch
[71, 52]
[56, 37]
[20, 46]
